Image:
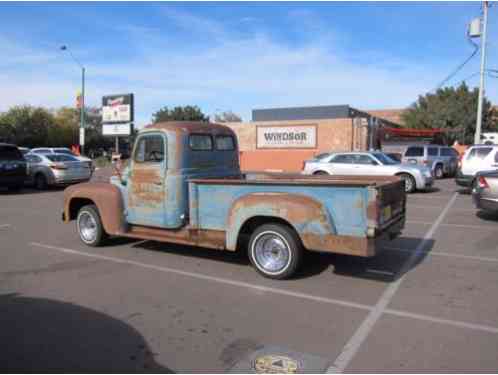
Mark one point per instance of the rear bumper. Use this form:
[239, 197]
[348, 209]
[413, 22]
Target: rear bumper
[463, 180]
[484, 203]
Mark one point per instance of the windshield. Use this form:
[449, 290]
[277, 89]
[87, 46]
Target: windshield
[384, 159]
[322, 156]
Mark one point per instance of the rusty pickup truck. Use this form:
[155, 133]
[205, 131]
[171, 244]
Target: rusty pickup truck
[183, 184]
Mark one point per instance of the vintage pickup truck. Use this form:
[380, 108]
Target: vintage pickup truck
[183, 184]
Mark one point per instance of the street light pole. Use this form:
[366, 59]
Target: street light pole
[477, 136]
[82, 103]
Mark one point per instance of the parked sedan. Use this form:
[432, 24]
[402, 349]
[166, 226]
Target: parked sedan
[62, 150]
[485, 191]
[56, 169]
[370, 164]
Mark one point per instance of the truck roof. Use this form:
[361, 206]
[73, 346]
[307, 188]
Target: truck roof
[191, 127]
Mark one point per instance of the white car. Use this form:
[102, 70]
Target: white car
[370, 164]
[62, 150]
[478, 158]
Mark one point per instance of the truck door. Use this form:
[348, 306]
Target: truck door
[146, 182]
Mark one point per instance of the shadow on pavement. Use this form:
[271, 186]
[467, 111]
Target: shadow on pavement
[31, 190]
[487, 215]
[42, 335]
[387, 266]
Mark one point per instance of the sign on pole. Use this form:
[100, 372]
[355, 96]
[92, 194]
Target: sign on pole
[117, 109]
[82, 136]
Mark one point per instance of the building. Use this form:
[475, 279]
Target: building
[281, 139]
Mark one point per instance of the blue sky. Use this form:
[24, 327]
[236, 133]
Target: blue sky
[237, 56]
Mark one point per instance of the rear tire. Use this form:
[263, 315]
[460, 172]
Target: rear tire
[410, 184]
[89, 226]
[438, 172]
[41, 182]
[275, 251]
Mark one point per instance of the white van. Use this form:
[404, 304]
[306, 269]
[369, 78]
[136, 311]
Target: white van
[477, 158]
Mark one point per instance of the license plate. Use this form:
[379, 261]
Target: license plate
[387, 212]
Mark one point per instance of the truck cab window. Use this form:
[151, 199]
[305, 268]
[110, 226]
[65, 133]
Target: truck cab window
[225, 143]
[201, 142]
[150, 149]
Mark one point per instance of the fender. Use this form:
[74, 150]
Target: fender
[306, 215]
[105, 196]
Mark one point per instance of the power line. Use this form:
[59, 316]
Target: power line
[459, 67]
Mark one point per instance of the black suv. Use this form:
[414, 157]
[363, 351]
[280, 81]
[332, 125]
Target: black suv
[13, 167]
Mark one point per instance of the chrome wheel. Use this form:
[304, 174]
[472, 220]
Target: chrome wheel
[271, 252]
[409, 182]
[87, 226]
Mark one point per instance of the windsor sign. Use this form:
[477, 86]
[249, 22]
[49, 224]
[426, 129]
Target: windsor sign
[302, 136]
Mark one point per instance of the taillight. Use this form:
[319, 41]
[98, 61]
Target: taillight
[58, 166]
[425, 162]
[483, 184]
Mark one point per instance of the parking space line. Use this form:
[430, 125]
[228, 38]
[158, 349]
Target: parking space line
[4, 226]
[453, 225]
[220, 280]
[429, 318]
[444, 254]
[353, 345]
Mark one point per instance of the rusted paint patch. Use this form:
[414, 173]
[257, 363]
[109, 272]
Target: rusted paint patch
[105, 196]
[147, 187]
[359, 246]
[207, 238]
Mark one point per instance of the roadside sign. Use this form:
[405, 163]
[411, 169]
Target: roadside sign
[82, 136]
[117, 109]
[117, 129]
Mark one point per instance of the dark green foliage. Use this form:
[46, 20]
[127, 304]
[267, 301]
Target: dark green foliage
[450, 107]
[186, 113]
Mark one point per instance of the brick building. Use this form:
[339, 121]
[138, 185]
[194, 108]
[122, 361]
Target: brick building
[281, 139]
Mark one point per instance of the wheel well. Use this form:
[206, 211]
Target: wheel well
[251, 224]
[76, 204]
[320, 172]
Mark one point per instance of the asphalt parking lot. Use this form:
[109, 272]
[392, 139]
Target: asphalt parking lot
[426, 304]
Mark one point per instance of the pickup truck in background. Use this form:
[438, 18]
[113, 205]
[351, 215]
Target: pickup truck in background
[183, 184]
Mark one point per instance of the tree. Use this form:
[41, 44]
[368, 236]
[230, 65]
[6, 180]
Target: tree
[450, 107]
[187, 113]
[26, 125]
[227, 116]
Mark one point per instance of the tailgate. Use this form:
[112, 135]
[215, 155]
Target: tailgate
[390, 204]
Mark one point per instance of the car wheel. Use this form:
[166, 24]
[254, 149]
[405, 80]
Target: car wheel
[410, 185]
[89, 226]
[320, 173]
[275, 251]
[438, 172]
[41, 182]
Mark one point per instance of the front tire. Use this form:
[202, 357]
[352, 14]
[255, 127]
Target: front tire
[275, 251]
[41, 182]
[320, 173]
[89, 226]
[410, 184]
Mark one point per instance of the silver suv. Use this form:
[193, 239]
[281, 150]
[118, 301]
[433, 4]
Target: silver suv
[442, 160]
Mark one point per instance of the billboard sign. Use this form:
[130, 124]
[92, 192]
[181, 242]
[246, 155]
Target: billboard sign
[301, 136]
[116, 129]
[117, 109]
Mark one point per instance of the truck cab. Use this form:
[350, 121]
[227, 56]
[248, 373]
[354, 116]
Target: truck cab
[164, 158]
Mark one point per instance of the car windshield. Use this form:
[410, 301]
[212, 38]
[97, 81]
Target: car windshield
[384, 159]
[321, 156]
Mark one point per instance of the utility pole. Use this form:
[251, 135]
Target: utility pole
[477, 136]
